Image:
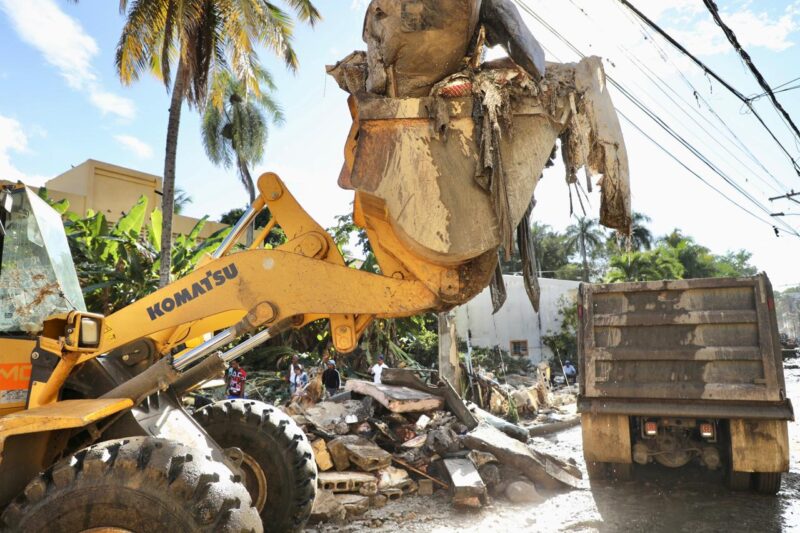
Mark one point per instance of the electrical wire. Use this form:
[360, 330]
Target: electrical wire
[732, 136]
[666, 88]
[748, 61]
[653, 116]
[714, 75]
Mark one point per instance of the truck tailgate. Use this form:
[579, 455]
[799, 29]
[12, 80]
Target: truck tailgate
[704, 339]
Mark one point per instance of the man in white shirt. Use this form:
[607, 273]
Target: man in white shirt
[377, 369]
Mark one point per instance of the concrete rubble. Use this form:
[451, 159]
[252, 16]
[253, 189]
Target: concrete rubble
[420, 438]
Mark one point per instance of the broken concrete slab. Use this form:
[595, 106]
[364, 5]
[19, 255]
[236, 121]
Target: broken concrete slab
[327, 415]
[467, 486]
[540, 468]
[327, 508]
[339, 454]
[344, 481]
[359, 451]
[321, 455]
[396, 399]
[395, 478]
[354, 504]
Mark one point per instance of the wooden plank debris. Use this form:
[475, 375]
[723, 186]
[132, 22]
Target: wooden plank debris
[396, 399]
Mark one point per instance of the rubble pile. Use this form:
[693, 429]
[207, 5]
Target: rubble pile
[374, 443]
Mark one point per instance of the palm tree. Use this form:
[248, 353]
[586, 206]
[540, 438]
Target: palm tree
[584, 236]
[234, 127]
[182, 199]
[657, 264]
[199, 38]
[641, 237]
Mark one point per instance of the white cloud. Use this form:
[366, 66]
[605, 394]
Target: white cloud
[111, 103]
[13, 139]
[137, 146]
[355, 5]
[691, 24]
[65, 45]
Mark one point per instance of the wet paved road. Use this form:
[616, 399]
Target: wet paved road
[660, 499]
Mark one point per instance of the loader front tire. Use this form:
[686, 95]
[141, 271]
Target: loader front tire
[278, 467]
[140, 484]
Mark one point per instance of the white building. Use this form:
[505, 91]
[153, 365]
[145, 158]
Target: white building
[516, 327]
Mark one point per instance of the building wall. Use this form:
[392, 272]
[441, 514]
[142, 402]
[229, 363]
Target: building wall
[113, 190]
[516, 320]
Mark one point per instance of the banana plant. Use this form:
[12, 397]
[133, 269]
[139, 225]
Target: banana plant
[119, 263]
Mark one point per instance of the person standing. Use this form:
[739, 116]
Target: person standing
[290, 372]
[300, 381]
[235, 380]
[331, 379]
[377, 369]
[570, 372]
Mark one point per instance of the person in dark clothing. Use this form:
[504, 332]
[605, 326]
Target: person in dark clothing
[330, 378]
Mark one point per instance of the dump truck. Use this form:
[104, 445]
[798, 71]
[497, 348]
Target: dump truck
[681, 372]
[93, 433]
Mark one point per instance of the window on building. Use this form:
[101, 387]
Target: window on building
[519, 348]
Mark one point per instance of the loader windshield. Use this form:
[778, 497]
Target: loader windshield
[37, 275]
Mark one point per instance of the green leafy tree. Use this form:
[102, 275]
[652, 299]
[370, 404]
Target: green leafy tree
[196, 39]
[276, 235]
[118, 264]
[584, 238]
[234, 127]
[736, 264]
[640, 238]
[657, 264]
[182, 199]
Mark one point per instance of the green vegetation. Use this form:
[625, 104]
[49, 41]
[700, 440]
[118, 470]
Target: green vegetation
[118, 264]
[185, 44]
[584, 252]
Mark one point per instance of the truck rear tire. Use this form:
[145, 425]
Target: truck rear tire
[738, 481]
[278, 466]
[140, 484]
[768, 482]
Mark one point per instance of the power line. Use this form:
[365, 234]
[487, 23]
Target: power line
[653, 116]
[714, 75]
[661, 84]
[698, 96]
[712, 8]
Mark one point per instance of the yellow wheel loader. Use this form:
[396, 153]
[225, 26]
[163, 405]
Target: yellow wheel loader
[92, 430]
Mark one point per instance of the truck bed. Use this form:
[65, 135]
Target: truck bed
[676, 344]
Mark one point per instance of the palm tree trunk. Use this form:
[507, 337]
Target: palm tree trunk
[585, 262]
[248, 181]
[168, 187]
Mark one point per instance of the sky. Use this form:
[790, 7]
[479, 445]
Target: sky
[61, 103]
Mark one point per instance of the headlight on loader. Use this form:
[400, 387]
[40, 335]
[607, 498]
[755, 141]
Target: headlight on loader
[89, 333]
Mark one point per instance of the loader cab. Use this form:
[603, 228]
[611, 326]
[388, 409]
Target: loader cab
[37, 279]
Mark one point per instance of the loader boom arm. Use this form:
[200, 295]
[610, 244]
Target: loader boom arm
[303, 280]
